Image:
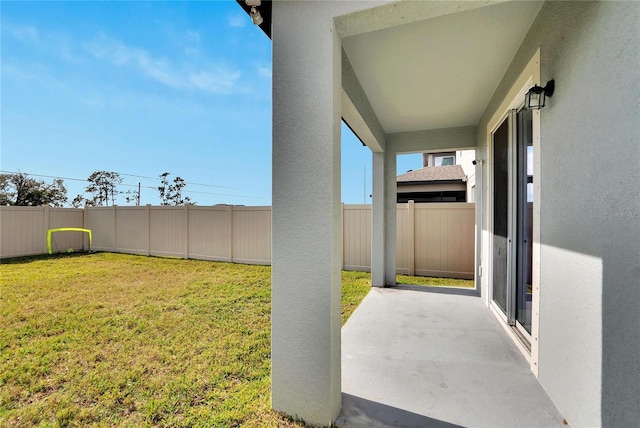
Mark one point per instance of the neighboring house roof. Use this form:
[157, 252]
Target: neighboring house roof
[431, 174]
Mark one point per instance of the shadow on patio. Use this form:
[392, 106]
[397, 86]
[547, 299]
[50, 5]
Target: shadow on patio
[433, 357]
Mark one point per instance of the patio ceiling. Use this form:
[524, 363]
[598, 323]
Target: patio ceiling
[439, 72]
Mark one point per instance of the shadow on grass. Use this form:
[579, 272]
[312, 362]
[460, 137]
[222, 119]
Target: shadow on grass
[39, 257]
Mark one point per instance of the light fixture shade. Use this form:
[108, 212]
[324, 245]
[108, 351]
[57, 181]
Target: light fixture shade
[536, 97]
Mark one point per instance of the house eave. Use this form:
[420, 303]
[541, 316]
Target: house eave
[413, 183]
[265, 12]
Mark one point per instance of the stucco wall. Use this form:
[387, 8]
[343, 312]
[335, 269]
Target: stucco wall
[589, 360]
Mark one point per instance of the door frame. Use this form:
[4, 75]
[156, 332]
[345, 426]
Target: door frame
[514, 98]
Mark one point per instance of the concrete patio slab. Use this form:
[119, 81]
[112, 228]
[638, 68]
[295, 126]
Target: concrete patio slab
[433, 357]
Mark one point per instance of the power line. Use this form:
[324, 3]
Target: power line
[159, 179]
[223, 194]
[145, 187]
[45, 176]
[119, 173]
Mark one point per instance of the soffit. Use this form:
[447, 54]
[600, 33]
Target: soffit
[440, 72]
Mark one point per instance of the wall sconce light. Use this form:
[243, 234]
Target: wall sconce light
[535, 98]
[255, 14]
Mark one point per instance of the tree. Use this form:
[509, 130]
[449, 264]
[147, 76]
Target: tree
[102, 189]
[171, 194]
[22, 190]
[133, 196]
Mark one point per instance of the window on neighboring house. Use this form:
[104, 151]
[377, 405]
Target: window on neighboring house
[437, 196]
[445, 160]
[439, 159]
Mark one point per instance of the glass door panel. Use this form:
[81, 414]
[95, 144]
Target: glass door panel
[524, 227]
[500, 214]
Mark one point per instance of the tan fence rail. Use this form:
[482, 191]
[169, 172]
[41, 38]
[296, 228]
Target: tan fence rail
[432, 239]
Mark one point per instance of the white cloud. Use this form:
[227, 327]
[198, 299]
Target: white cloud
[218, 79]
[237, 20]
[27, 34]
[24, 71]
[264, 71]
[192, 40]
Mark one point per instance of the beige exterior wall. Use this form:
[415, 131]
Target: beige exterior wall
[586, 273]
[432, 239]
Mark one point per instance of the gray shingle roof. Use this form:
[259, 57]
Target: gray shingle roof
[433, 173]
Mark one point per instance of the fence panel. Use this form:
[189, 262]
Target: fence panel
[101, 221]
[132, 232]
[404, 241]
[431, 239]
[356, 237]
[168, 234]
[252, 235]
[22, 231]
[210, 233]
[444, 240]
[66, 217]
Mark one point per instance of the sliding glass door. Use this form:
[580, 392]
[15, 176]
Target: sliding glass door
[524, 230]
[512, 144]
[501, 215]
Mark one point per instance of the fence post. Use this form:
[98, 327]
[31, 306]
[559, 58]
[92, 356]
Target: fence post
[85, 225]
[186, 231]
[230, 212]
[148, 229]
[115, 228]
[412, 237]
[342, 238]
[45, 224]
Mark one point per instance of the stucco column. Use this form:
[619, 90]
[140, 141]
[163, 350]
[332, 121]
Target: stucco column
[377, 221]
[390, 204]
[383, 220]
[306, 222]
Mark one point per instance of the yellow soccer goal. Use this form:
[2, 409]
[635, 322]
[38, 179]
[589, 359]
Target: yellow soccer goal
[66, 229]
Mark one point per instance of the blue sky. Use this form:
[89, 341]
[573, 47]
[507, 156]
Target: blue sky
[142, 88]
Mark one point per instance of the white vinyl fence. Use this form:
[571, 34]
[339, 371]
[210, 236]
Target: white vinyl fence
[432, 239]
[23, 230]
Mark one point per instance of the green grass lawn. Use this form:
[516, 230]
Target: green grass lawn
[434, 282]
[120, 340]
